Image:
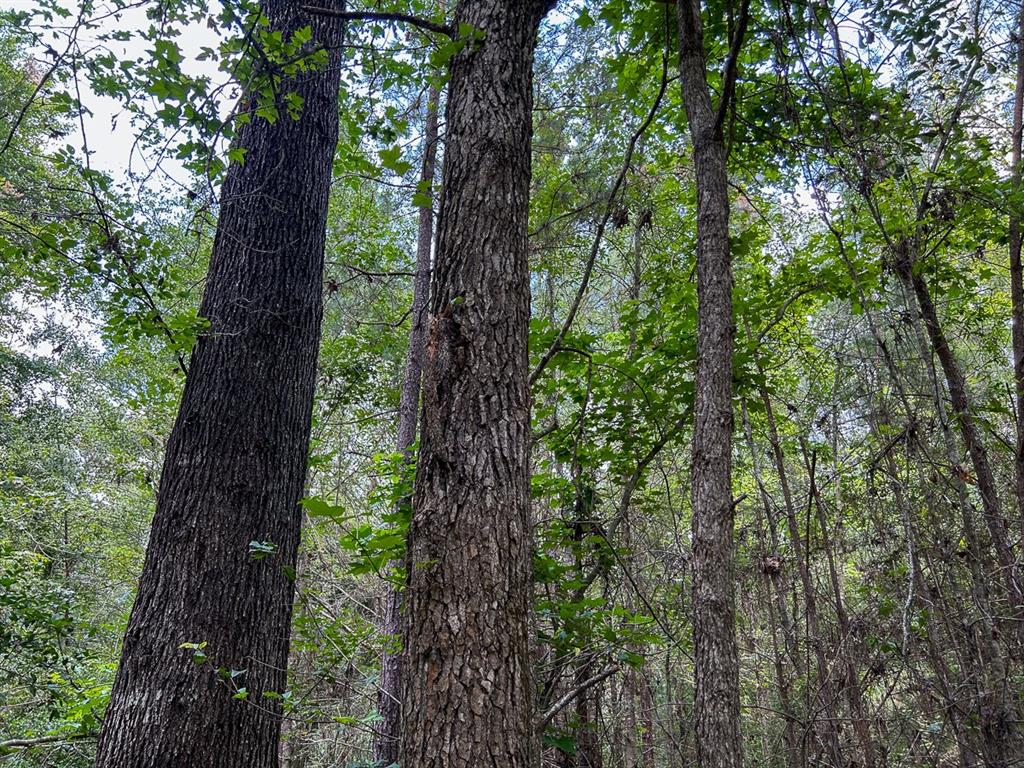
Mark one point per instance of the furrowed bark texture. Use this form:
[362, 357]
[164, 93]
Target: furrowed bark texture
[388, 735]
[468, 694]
[716, 672]
[236, 459]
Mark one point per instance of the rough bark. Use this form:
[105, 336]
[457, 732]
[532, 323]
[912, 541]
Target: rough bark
[389, 696]
[236, 459]
[467, 644]
[716, 672]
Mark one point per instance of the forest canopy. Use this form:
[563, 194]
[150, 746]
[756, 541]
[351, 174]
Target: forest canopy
[458, 383]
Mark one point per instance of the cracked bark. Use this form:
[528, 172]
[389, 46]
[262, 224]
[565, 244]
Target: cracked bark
[467, 644]
[236, 459]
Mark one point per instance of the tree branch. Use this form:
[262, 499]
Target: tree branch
[40, 740]
[405, 18]
[732, 65]
[572, 693]
[595, 247]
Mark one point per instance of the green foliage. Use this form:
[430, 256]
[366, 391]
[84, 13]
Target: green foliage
[829, 157]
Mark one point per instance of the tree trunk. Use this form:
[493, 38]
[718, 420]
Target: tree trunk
[1016, 269]
[778, 611]
[829, 729]
[716, 671]
[389, 696]
[588, 702]
[220, 565]
[990, 503]
[588, 706]
[987, 663]
[468, 622]
[984, 648]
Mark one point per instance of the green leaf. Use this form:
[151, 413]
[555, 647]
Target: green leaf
[316, 507]
[391, 159]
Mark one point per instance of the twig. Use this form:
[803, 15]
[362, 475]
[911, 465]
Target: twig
[44, 80]
[572, 693]
[40, 740]
[90, 181]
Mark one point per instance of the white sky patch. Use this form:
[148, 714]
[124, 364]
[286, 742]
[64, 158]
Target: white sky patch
[38, 315]
[31, 340]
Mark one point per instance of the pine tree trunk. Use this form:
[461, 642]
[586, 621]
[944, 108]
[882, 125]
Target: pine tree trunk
[236, 459]
[716, 672]
[389, 696]
[468, 623]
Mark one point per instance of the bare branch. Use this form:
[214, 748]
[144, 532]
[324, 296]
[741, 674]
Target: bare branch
[40, 740]
[572, 693]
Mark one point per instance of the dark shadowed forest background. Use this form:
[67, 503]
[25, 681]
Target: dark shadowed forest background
[591, 384]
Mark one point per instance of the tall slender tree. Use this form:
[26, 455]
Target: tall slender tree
[716, 673]
[219, 570]
[1016, 267]
[388, 735]
[468, 696]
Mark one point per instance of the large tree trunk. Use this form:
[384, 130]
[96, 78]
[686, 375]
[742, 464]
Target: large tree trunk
[389, 696]
[468, 695]
[716, 672]
[236, 459]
